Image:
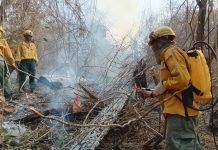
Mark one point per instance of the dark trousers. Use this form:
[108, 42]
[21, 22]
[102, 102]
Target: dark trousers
[181, 133]
[29, 66]
[5, 79]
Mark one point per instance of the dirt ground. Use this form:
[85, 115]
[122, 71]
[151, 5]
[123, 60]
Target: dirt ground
[137, 135]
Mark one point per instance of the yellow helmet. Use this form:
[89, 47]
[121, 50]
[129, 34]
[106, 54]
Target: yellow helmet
[28, 32]
[160, 32]
[2, 30]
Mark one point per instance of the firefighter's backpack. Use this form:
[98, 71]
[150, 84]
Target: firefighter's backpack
[200, 75]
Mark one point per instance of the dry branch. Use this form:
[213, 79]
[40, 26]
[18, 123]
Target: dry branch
[92, 96]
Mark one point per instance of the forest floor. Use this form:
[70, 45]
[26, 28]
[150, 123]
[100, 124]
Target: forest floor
[42, 134]
[136, 136]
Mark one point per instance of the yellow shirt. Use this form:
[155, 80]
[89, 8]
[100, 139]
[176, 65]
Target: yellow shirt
[5, 51]
[175, 76]
[26, 51]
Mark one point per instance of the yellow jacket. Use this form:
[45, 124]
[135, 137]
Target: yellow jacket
[26, 51]
[175, 76]
[5, 51]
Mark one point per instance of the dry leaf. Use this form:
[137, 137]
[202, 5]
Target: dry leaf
[6, 107]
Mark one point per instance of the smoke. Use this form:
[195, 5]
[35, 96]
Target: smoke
[82, 51]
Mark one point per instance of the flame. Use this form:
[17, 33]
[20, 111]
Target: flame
[75, 104]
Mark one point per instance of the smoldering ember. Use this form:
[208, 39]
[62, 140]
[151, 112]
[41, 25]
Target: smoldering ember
[108, 74]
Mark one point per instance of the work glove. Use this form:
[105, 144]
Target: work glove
[159, 89]
[17, 63]
[2, 47]
[11, 68]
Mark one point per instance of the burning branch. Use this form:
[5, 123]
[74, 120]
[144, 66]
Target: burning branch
[94, 125]
[155, 105]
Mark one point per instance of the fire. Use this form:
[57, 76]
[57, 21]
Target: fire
[75, 104]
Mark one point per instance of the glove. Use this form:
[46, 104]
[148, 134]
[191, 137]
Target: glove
[17, 63]
[159, 89]
[2, 47]
[11, 68]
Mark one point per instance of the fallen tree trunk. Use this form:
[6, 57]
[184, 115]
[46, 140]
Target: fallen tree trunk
[91, 137]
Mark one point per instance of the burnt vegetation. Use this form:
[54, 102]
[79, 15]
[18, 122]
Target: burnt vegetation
[85, 98]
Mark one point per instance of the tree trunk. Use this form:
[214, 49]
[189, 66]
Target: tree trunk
[91, 137]
[3, 5]
[202, 4]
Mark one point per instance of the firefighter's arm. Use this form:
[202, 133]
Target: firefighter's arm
[35, 54]
[18, 54]
[8, 55]
[180, 77]
[158, 91]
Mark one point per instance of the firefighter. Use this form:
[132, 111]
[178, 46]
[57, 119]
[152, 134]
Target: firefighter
[5, 56]
[27, 59]
[174, 76]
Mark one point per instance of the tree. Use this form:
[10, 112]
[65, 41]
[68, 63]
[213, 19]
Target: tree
[202, 4]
